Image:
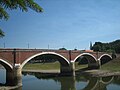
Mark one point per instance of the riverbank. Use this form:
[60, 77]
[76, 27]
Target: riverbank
[49, 66]
[93, 73]
[112, 68]
[41, 71]
[10, 88]
[102, 73]
[113, 65]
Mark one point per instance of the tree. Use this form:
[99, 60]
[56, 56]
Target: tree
[15, 4]
[107, 47]
[97, 46]
[90, 45]
[75, 49]
[1, 33]
[62, 48]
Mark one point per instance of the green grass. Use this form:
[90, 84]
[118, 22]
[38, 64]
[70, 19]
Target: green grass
[42, 66]
[81, 66]
[113, 65]
[49, 66]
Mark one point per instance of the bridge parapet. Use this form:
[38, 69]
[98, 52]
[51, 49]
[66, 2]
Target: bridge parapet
[7, 55]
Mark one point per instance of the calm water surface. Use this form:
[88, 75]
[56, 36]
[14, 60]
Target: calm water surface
[36, 81]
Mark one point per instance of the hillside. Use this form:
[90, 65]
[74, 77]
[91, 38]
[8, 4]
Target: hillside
[113, 65]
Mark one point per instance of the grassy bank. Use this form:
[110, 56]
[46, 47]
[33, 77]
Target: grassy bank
[42, 66]
[81, 66]
[113, 65]
[108, 69]
[48, 66]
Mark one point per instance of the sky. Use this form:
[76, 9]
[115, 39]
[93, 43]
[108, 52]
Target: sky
[63, 23]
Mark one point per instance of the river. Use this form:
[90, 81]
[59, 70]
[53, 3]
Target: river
[37, 81]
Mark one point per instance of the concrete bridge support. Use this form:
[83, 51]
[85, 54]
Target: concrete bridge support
[95, 65]
[99, 64]
[18, 75]
[68, 70]
[72, 65]
[69, 84]
[14, 77]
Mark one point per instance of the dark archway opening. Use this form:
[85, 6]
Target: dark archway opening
[5, 72]
[105, 59]
[107, 80]
[81, 63]
[85, 62]
[2, 74]
[46, 63]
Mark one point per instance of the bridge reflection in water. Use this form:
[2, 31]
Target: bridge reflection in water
[73, 83]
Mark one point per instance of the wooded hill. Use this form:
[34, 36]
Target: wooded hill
[113, 47]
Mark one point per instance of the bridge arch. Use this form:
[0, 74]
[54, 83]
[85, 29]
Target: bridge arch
[6, 65]
[45, 53]
[87, 55]
[92, 83]
[8, 71]
[107, 80]
[105, 58]
[92, 61]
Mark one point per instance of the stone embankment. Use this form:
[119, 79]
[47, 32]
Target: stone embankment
[10, 87]
[93, 73]
[102, 73]
[42, 71]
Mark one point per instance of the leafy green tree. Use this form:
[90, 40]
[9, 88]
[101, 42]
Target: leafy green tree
[90, 45]
[62, 48]
[15, 4]
[1, 33]
[97, 46]
[107, 47]
[75, 49]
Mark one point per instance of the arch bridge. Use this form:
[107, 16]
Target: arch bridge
[14, 59]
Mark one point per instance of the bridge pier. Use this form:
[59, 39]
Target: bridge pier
[99, 64]
[14, 77]
[17, 75]
[95, 65]
[69, 84]
[72, 68]
[68, 70]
